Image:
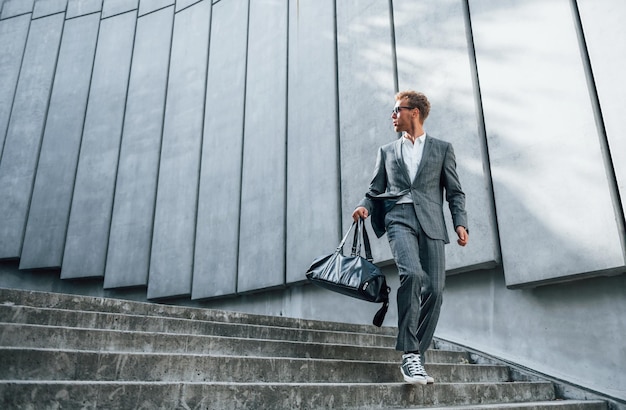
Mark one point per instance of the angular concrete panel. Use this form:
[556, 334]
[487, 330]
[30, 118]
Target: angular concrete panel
[25, 129]
[313, 203]
[13, 34]
[555, 215]
[77, 8]
[135, 190]
[366, 97]
[12, 8]
[90, 218]
[114, 7]
[217, 237]
[171, 260]
[52, 195]
[263, 187]
[182, 4]
[148, 6]
[45, 8]
[433, 57]
[605, 35]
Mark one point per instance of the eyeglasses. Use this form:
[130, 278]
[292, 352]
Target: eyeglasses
[396, 110]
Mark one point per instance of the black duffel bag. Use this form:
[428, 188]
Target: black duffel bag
[353, 275]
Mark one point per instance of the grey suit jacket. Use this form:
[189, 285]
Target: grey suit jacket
[436, 172]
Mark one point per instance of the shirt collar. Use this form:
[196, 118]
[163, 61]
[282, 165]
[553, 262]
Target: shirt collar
[420, 139]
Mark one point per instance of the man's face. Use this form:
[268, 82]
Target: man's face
[401, 115]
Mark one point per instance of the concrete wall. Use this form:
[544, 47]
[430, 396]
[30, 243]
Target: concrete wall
[571, 331]
[205, 152]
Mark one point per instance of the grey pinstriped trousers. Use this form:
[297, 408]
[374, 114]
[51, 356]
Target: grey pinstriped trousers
[421, 266]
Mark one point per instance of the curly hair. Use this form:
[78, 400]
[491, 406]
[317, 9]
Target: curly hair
[416, 100]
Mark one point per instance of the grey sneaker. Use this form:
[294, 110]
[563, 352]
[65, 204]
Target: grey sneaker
[412, 369]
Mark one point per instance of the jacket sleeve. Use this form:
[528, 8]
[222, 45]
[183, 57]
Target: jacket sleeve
[378, 184]
[454, 193]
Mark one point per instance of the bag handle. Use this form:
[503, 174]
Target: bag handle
[356, 242]
[366, 242]
[345, 237]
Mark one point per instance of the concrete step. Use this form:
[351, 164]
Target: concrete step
[540, 405]
[52, 364]
[67, 351]
[132, 322]
[69, 338]
[110, 305]
[132, 395]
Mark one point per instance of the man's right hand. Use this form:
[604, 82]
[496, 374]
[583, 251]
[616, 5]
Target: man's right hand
[360, 212]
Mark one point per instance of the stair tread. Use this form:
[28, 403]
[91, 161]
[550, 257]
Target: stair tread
[298, 384]
[533, 404]
[103, 304]
[273, 395]
[127, 341]
[25, 364]
[232, 356]
[134, 322]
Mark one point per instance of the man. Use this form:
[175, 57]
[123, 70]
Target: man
[405, 198]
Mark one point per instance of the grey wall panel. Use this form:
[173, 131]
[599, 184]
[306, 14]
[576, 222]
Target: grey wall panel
[217, 237]
[54, 182]
[148, 6]
[21, 148]
[313, 201]
[262, 239]
[605, 34]
[366, 96]
[77, 8]
[12, 8]
[47, 7]
[181, 4]
[175, 217]
[135, 191]
[90, 217]
[13, 34]
[553, 202]
[113, 7]
[433, 57]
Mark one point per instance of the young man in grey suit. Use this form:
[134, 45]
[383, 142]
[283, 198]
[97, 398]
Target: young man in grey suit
[405, 199]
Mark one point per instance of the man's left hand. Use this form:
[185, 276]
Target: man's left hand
[462, 234]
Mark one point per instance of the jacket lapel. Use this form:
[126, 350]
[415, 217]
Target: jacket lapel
[426, 154]
[400, 160]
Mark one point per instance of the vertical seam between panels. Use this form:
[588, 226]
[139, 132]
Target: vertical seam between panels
[286, 146]
[243, 142]
[394, 55]
[200, 154]
[337, 125]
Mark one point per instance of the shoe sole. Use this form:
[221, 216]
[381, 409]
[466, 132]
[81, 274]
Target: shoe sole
[411, 380]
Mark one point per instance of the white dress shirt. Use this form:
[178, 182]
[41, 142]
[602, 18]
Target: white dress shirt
[412, 156]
